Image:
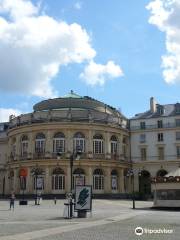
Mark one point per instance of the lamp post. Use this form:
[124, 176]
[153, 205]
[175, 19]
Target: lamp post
[75, 156]
[131, 174]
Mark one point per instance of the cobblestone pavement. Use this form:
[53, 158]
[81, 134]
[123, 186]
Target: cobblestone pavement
[110, 219]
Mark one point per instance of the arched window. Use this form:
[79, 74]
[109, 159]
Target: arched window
[98, 144]
[59, 143]
[58, 179]
[78, 177]
[79, 141]
[113, 144]
[24, 146]
[114, 180]
[98, 179]
[40, 143]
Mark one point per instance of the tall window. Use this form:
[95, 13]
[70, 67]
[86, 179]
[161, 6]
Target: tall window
[143, 154]
[161, 153]
[79, 141]
[24, 146]
[78, 177]
[113, 145]
[58, 179]
[40, 143]
[114, 180]
[178, 151]
[160, 137]
[177, 135]
[98, 179]
[177, 122]
[142, 138]
[159, 123]
[59, 143]
[142, 125]
[98, 143]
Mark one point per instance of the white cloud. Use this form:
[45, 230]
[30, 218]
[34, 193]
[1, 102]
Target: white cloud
[6, 112]
[78, 5]
[98, 74]
[165, 14]
[33, 47]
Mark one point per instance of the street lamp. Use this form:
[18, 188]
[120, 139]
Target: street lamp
[131, 174]
[75, 156]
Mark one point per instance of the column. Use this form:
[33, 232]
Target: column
[68, 180]
[121, 180]
[28, 181]
[18, 146]
[16, 181]
[49, 144]
[31, 145]
[136, 181]
[107, 180]
[89, 147]
[89, 177]
[107, 145]
[47, 181]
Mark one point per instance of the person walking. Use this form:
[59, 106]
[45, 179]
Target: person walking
[12, 199]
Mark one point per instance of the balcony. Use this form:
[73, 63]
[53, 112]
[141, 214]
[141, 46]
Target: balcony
[155, 126]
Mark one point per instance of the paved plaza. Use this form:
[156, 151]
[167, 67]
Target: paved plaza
[110, 219]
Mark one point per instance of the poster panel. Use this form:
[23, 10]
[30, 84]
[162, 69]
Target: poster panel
[83, 198]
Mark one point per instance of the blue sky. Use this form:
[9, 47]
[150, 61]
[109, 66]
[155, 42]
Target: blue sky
[126, 33]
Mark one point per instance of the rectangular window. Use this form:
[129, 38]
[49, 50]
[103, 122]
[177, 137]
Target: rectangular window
[98, 146]
[59, 145]
[142, 138]
[177, 122]
[160, 153]
[40, 146]
[79, 143]
[160, 124]
[113, 147]
[178, 151]
[177, 135]
[160, 137]
[142, 125]
[24, 148]
[143, 154]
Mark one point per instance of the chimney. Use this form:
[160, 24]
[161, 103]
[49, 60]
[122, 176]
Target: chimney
[152, 105]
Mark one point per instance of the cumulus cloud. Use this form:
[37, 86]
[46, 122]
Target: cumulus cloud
[33, 47]
[165, 14]
[6, 112]
[98, 73]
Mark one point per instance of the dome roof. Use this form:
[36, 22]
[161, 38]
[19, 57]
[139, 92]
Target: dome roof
[74, 101]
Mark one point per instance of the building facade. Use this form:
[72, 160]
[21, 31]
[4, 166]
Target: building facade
[37, 148]
[155, 143]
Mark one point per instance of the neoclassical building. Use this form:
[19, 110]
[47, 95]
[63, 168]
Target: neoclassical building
[36, 148]
[155, 143]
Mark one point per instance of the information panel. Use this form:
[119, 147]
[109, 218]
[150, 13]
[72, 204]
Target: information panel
[83, 198]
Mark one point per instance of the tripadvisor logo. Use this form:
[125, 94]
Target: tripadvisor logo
[138, 231]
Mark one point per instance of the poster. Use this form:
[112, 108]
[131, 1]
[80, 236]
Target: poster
[83, 198]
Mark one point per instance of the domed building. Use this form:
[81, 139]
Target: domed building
[41, 144]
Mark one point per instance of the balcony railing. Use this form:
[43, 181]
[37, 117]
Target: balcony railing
[155, 126]
[156, 158]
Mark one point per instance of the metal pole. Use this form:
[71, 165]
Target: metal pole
[71, 168]
[133, 195]
[36, 190]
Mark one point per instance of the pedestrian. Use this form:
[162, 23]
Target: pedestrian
[12, 199]
[55, 200]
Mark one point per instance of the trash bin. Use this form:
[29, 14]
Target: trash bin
[82, 214]
[66, 213]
